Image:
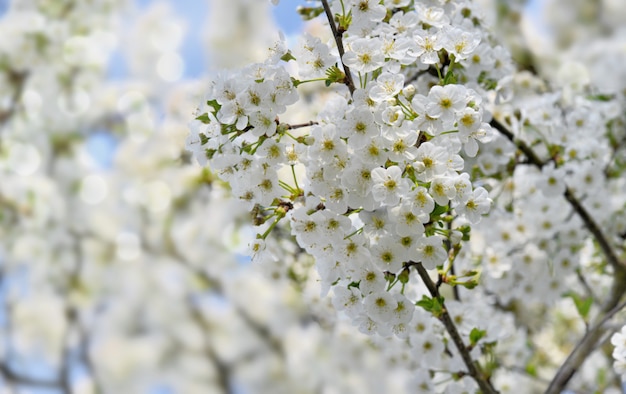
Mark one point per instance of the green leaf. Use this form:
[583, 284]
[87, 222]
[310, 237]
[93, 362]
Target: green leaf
[432, 305]
[287, 57]
[214, 104]
[439, 209]
[465, 230]
[470, 284]
[426, 303]
[476, 335]
[308, 13]
[204, 118]
[209, 153]
[531, 369]
[354, 284]
[601, 97]
[583, 304]
[450, 78]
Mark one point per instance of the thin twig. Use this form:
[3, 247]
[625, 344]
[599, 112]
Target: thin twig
[586, 286]
[339, 40]
[301, 125]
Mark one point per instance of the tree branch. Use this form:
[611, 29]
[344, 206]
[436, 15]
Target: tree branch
[590, 223]
[580, 353]
[588, 342]
[472, 367]
[339, 40]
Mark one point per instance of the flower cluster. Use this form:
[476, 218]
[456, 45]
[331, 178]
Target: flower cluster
[380, 170]
[377, 184]
[103, 265]
[428, 129]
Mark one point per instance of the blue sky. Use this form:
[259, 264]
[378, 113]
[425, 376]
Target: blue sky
[195, 12]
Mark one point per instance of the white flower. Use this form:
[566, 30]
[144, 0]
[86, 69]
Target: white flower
[463, 187]
[422, 202]
[403, 312]
[476, 205]
[388, 185]
[366, 12]
[432, 125]
[326, 144]
[263, 123]
[430, 252]
[374, 152]
[255, 97]
[408, 219]
[359, 127]
[430, 161]
[460, 43]
[401, 145]
[313, 57]
[233, 112]
[445, 101]
[387, 255]
[551, 181]
[348, 300]
[428, 45]
[376, 223]
[380, 306]
[442, 190]
[387, 86]
[364, 55]
[306, 228]
[619, 341]
[267, 188]
[370, 279]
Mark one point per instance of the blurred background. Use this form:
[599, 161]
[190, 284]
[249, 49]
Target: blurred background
[122, 265]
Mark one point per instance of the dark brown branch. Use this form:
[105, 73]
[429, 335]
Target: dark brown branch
[301, 125]
[590, 223]
[582, 350]
[588, 342]
[521, 145]
[339, 40]
[593, 227]
[472, 367]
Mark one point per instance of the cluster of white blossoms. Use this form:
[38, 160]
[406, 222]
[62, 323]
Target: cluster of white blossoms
[377, 184]
[385, 184]
[103, 266]
[533, 225]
